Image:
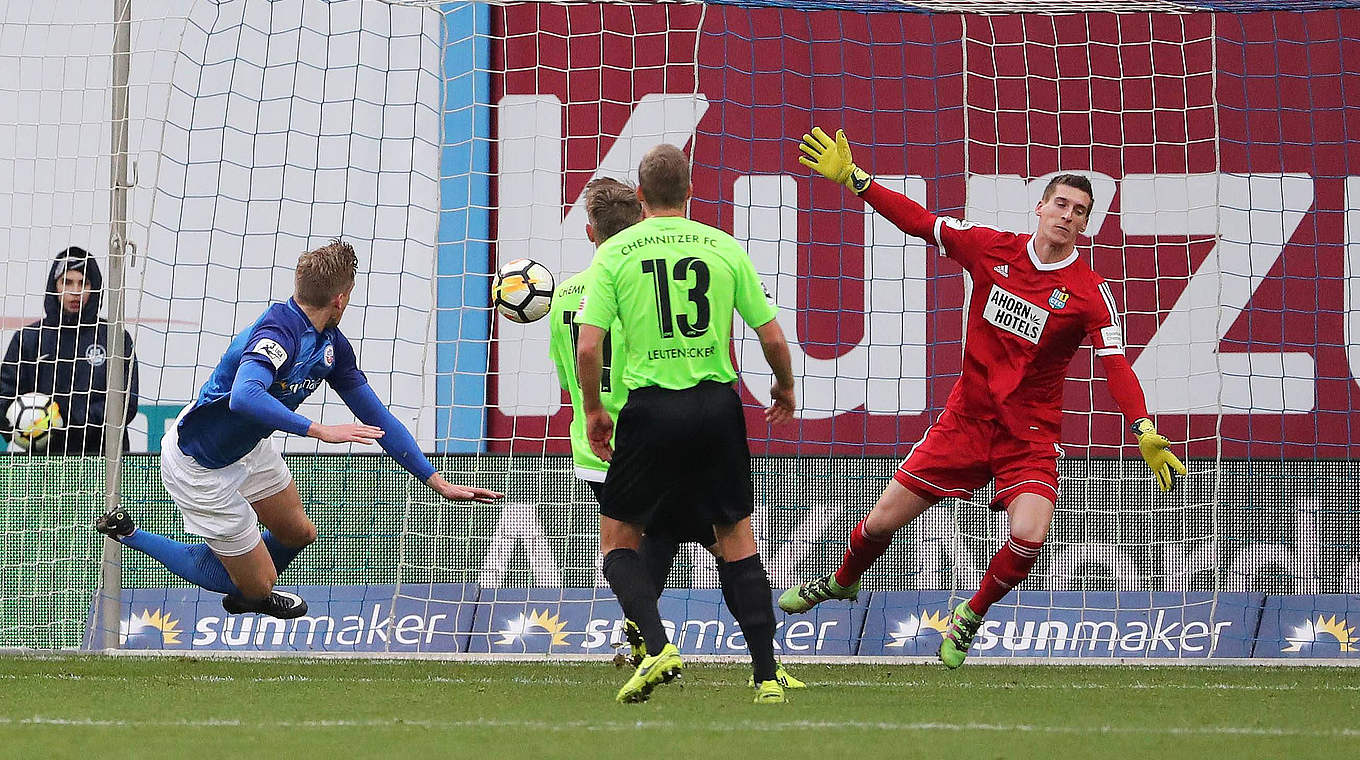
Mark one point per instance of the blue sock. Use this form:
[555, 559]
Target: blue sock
[281, 554]
[195, 563]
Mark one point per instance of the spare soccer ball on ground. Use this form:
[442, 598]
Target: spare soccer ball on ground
[522, 290]
[32, 417]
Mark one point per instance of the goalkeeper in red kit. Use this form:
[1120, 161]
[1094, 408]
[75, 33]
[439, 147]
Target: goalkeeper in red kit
[1032, 304]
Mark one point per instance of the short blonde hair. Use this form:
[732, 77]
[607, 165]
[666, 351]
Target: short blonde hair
[325, 273]
[611, 206]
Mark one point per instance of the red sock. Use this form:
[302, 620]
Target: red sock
[1009, 566]
[859, 556]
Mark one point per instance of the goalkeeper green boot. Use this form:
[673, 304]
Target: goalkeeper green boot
[770, 693]
[814, 592]
[958, 636]
[782, 676]
[655, 670]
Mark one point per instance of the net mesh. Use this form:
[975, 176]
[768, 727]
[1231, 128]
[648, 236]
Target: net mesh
[445, 139]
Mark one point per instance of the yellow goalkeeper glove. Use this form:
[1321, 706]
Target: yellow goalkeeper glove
[1156, 451]
[831, 159]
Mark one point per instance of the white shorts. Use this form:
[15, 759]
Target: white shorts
[216, 503]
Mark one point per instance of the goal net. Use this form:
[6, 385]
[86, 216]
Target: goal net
[445, 139]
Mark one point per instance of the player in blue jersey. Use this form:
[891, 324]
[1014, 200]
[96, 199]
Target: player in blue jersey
[225, 475]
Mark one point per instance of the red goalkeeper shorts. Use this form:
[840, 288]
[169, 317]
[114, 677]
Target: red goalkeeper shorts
[960, 454]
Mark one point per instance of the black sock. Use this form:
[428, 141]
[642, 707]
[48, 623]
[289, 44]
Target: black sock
[658, 555]
[627, 576]
[723, 584]
[746, 590]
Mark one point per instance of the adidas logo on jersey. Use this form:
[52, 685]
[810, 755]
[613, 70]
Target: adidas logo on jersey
[1002, 269]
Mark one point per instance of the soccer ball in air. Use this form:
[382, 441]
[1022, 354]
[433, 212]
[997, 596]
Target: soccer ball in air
[522, 290]
[32, 416]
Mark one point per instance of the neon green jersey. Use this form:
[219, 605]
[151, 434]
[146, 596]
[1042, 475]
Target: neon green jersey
[562, 332]
[673, 283]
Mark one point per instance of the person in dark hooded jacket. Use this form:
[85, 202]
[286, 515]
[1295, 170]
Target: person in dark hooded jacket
[66, 356]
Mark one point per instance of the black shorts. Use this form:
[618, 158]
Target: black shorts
[680, 461]
[679, 527]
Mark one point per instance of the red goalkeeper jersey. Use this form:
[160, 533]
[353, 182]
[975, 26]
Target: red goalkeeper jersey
[1025, 320]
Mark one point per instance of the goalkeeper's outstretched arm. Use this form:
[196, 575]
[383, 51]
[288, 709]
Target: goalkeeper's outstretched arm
[1154, 447]
[832, 159]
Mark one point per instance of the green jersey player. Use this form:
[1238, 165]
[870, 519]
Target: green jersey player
[611, 207]
[669, 287]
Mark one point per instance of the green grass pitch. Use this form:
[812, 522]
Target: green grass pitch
[87, 707]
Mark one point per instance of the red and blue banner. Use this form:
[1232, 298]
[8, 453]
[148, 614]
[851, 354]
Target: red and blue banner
[1227, 216]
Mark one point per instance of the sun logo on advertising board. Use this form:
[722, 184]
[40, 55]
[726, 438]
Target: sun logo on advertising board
[538, 621]
[913, 626]
[148, 621]
[1333, 626]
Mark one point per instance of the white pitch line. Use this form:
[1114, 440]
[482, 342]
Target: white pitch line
[589, 660]
[1004, 686]
[529, 680]
[741, 726]
[562, 681]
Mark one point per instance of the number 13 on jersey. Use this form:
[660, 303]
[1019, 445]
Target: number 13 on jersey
[698, 295]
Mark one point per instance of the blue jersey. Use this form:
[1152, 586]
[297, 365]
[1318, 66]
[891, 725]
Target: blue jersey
[284, 340]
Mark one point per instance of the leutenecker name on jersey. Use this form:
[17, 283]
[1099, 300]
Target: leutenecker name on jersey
[687, 352]
[1015, 315]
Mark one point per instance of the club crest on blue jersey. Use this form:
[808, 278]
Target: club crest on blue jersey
[329, 355]
[1059, 298]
